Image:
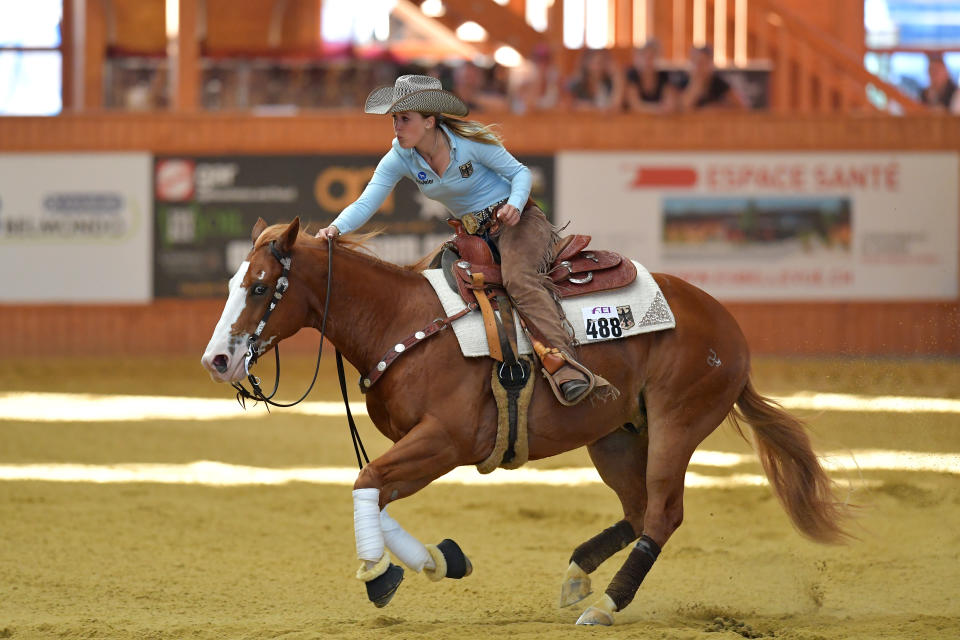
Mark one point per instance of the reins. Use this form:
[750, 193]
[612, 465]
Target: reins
[253, 353]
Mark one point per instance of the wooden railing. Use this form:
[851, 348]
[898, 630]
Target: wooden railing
[332, 132]
[812, 71]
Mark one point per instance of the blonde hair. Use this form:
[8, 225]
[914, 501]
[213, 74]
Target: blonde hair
[471, 129]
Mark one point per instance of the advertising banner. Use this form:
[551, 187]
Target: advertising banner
[75, 227]
[783, 226]
[207, 205]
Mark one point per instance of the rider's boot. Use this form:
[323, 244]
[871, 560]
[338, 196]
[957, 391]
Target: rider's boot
[574, 385]
[571, 381]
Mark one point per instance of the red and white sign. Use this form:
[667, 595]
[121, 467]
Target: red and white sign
[174, 180]
[775, 226]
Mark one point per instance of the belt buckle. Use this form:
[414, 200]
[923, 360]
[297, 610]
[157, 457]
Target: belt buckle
[470, 223]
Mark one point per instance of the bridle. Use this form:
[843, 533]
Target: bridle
[253, 351]
[253, 347]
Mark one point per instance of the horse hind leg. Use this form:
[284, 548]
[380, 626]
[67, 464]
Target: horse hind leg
[621, 460]
[672, 439]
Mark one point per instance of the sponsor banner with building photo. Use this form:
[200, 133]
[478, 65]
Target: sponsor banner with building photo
[207, 205]
[781, 226]
[75, 227]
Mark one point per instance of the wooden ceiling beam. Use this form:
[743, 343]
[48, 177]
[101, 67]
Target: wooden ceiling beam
[503, 24]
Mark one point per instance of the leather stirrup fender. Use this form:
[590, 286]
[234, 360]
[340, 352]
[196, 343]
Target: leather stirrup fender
[489, 321]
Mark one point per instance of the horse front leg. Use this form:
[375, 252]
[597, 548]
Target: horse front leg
[425, 453]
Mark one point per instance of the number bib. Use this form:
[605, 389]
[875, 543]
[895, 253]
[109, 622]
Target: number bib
[602, 323]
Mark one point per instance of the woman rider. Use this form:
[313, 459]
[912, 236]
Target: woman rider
[463, 165]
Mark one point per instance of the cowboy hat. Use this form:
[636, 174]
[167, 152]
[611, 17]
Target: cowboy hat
[415, 93]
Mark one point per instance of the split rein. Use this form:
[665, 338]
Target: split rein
[253, 353]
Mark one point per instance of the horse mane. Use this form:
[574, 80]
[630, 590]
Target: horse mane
[353, 242]
[424, 263]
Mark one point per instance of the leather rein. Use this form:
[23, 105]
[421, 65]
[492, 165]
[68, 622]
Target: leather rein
[253, 352]
[256, 393]
[254, 349]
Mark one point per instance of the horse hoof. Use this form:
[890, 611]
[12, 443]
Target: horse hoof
[599, 615]
[594, 617]
[381, 589]
[576, 586]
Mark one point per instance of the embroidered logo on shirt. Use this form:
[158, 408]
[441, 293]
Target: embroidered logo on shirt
[466, 169]
[422, 178]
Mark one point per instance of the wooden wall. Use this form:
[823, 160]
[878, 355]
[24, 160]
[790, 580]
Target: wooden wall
[350, 132]
[177, 327]
[174, 326]
[230, 26]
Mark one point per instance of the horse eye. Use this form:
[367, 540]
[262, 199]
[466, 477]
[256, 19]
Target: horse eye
[259, 289]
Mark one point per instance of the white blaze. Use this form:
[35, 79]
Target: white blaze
[220, 341]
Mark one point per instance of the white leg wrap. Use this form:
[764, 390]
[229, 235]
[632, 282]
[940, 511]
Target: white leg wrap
[408, 549]
[366, 524]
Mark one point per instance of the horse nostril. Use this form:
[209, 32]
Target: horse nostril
[220, 363]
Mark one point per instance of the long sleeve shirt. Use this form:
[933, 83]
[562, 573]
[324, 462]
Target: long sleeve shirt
[478, 176]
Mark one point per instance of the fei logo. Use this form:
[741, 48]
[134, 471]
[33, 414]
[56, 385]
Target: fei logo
[600, 310]
[422, 175]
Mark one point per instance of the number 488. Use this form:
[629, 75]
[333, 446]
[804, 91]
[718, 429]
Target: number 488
[604, 328]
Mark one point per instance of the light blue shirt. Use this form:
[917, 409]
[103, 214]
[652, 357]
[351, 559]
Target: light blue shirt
[478, 176]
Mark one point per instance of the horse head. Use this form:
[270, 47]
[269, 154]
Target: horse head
[253, 321]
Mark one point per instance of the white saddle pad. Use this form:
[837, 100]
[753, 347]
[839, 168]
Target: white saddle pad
[596, 317]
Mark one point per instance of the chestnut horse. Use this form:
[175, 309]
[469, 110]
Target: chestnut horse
[676, 387]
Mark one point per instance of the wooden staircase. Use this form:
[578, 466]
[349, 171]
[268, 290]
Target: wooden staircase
[812, 71]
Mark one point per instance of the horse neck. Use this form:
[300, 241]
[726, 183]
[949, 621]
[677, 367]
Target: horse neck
[369, 302]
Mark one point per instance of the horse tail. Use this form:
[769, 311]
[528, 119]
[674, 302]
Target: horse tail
[793, 469]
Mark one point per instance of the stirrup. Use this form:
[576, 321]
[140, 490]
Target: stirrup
[591, 381]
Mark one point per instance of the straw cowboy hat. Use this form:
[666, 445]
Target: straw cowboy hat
[415, 93]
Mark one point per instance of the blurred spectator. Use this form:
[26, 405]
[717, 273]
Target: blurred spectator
[648, 87]
[539, 84]
[940, 92]
[139, 93]
[597, 84]
[471, 85]
[135, 84]
[705, 88]
[443, 73]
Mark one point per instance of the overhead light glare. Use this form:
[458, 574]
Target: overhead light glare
[507, 56]
[172, 18]
[433, 8]
[471, 32]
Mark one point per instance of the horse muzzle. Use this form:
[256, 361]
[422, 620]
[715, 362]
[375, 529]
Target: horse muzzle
[224, 366]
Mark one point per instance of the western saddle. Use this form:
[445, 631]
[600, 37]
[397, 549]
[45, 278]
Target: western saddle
[575, 270]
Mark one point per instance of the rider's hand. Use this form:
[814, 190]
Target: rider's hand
[508, 215]
[328, 232]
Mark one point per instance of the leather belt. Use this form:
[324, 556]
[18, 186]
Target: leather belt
[477, 222]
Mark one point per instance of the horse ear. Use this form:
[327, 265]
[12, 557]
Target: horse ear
[289, 236]
[258, 228]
